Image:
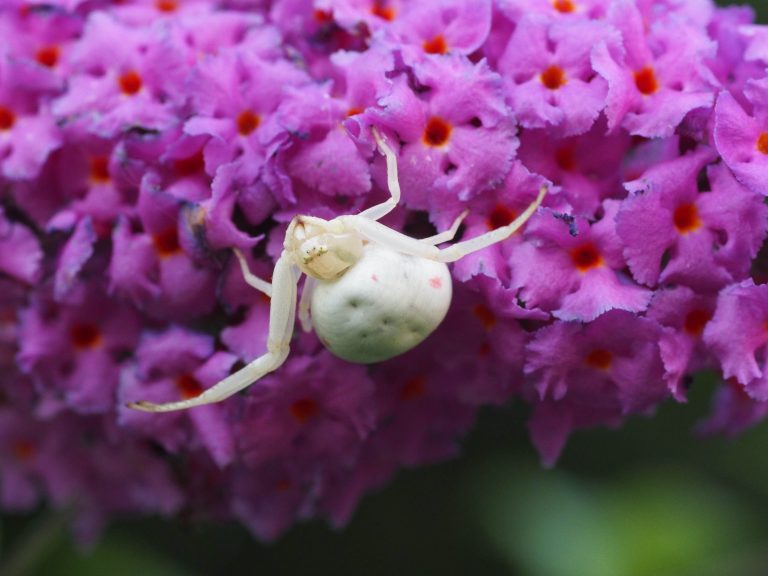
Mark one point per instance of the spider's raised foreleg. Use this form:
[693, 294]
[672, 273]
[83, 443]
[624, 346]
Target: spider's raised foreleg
[381, 210]
[282, 314]
[376, 232]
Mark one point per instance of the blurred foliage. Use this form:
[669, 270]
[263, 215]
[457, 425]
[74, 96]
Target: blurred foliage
[650, 499]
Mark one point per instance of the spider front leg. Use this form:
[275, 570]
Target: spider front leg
[282, 315]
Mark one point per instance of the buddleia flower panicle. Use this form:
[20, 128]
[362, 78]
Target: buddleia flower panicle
[142, 140]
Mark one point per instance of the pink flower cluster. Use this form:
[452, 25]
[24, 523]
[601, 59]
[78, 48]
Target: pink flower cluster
[141, 139]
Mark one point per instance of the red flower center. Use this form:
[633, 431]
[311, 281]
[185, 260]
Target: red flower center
[166, 5]
[553, 77]
[485, 315]
[188, 386]
[167, 242]
[99, 169]
[323, 16]
[193, 164]
[645, 80]
[599, 358]
[24, 449]
[437, 132]
[436, 45]
[686, 218]
[500, 216]
[304, 409]
[586, 257]
[85, 336]
[7, 118]
[247, 122]
[48, 56]
[130, 83]
[565, 158]
[696, 320]
[414, 388]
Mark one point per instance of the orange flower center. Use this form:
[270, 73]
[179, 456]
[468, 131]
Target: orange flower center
[383, 12]
[437, 132]
[564, 6]
[304, 409]
[586, 257]
[686, 218]
[247, 122]
[85, 336]
[553, 77]
[762, 143]
[599, 358]
[436, 46]
[188, 386]
[130, 83]
[645, 80]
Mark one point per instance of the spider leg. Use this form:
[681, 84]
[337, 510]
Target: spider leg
[457, 251]
[376, 232]
[282, 314]
[305, 302]
[381, 210]
[447, 235]
[250, 278]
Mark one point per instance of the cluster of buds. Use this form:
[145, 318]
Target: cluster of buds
[142, 140]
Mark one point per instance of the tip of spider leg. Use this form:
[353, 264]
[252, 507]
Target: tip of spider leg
[142, 405]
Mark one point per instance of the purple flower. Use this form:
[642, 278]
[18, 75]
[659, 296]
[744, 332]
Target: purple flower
[169, 366]
[458, 140]
[668, 218]
[655, 80]
[141, 141]
[741, 138]
[737, 336]
[575, 270]
[592, 374]
[548, 74]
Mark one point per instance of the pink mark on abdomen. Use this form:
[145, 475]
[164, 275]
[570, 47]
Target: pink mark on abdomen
[374, 278]
[436, 282]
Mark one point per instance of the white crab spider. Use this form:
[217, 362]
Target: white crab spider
[371, 292]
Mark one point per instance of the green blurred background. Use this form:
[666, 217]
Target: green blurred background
[650, 499]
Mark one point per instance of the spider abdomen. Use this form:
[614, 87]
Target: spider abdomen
[384, 305]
